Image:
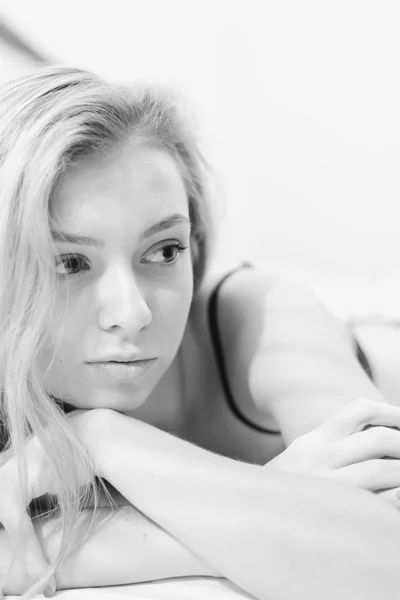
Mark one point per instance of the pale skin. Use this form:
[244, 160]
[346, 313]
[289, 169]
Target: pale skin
[130, 299]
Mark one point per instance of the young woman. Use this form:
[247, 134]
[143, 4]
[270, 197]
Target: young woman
[125, 360]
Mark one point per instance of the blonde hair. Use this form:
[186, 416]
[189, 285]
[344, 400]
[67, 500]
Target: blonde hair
[49, 121]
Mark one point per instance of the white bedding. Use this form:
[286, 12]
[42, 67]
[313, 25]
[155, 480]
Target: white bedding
[185, 588]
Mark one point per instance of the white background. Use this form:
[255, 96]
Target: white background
[299, 106]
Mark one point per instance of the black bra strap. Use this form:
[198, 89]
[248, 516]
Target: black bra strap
[219, 354]
[363, 360]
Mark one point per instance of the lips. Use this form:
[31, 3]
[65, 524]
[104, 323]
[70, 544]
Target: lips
[125, 370]
[121, 359]
[122, 362]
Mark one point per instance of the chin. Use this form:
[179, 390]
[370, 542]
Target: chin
[118, 400]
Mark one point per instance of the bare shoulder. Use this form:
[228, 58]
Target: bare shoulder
[257, 309]
[261, 307]
[239, 283]
[273, 319]
[256, 301]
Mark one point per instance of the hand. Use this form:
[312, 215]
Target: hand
[13, 513]
[352, 446]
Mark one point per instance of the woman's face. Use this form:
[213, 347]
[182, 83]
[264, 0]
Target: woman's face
[130, 286]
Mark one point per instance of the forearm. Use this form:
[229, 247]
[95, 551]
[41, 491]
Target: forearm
[125, 548]
[261, 529]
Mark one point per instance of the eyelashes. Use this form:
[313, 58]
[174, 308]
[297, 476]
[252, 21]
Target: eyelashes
[164, 256]
[177, 249]
[64, 259]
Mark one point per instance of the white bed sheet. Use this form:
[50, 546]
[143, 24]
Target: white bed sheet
[185, 588]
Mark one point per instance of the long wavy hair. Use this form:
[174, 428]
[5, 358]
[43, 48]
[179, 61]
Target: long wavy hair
[50, 121]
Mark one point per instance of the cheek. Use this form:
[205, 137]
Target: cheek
[171, 308]
[58, 357]
[65, 378]
[56, 361]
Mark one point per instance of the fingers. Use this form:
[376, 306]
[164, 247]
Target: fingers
[356, 416]
[373, 475]
[23, 537]
[377, 442]
[13, 514]
[390, 496]
[14, 579]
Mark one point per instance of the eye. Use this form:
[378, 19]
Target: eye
[70, 261]
[166, 255]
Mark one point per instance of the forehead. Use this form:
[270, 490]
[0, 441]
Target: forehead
[130, 184]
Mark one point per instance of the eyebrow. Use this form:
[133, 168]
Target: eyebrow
[83, 240]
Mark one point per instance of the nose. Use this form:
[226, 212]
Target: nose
[123, 303]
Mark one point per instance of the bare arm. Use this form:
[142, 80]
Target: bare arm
[272, 533]
[286, 354]
[125, 548]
